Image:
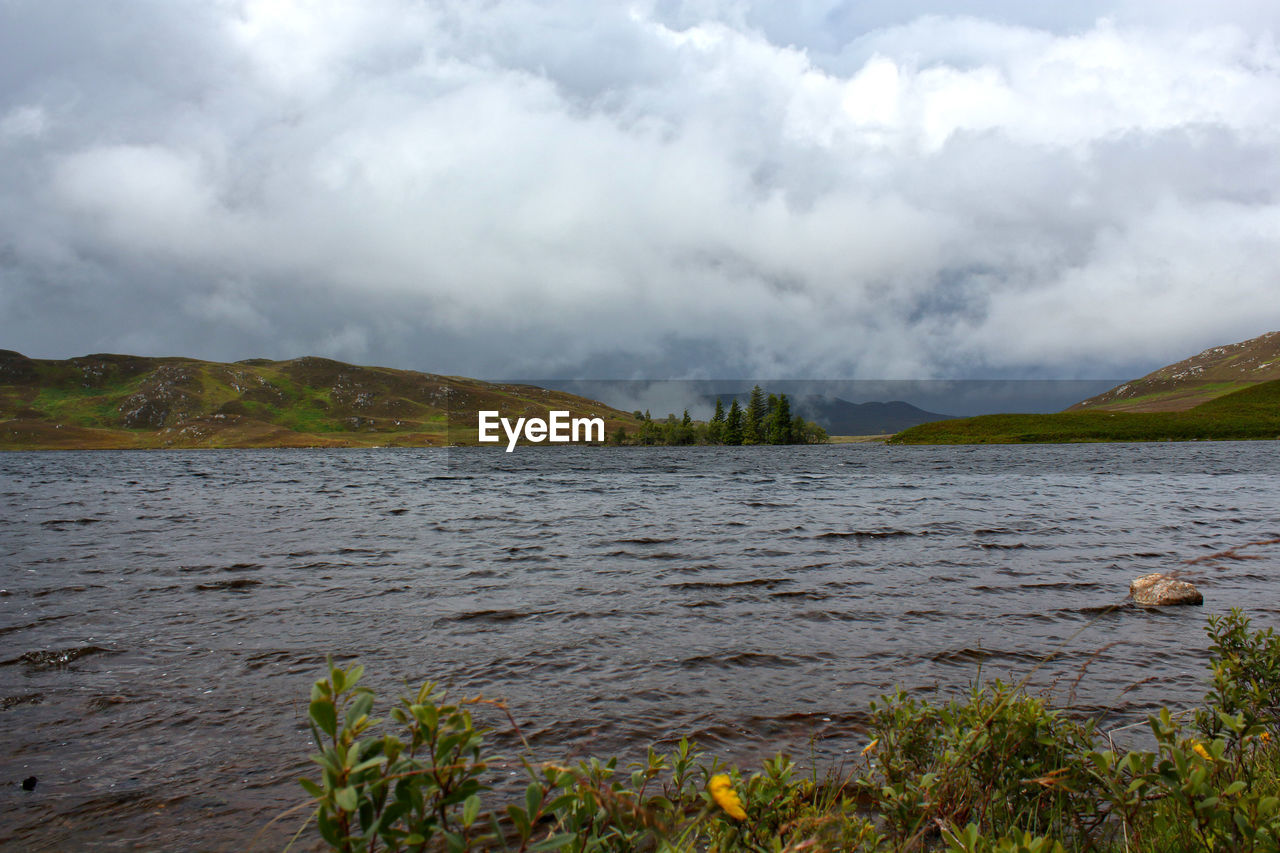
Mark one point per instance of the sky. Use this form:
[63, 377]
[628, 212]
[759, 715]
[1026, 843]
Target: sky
[580, 189]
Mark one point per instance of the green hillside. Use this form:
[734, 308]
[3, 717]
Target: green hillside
[121, 401]
[1250, 413]
[1181, 386]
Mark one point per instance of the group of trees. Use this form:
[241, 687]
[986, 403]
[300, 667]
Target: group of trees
[764, 420]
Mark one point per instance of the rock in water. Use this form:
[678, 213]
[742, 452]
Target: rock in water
[1157, 590]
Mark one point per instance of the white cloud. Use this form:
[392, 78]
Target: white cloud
[23, 122]
[521, 188]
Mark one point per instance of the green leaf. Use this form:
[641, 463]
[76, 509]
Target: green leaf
[311, 788]
[532, 798]
[470, 810]
[346, 799]
[360, 707]
[520, 819]
[372, 762]
[323, 715]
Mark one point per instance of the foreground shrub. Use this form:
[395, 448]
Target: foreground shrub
[997, 771]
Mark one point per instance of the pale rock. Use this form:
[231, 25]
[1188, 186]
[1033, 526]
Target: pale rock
[1157, 590]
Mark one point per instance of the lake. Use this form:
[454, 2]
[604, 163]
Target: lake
[163, 614]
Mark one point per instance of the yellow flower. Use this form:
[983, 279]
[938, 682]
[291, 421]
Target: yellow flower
[721, 787]
[871, 746]
[1265, 737]
[1202, 752]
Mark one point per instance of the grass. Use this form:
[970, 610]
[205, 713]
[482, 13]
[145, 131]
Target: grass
[993, 771]
[1250, 413]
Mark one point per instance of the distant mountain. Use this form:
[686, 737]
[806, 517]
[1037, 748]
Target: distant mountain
[124, 401]
[1213, 373]
[840, 417]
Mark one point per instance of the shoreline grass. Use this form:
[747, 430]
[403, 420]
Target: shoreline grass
[1249, 414]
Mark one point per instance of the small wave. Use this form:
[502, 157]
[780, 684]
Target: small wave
[54, 522]
[840, 616]
[41, 593]
[742, 659]
[1096, 609]
[972, 655]
[1060, 585]
[284, 657]
[767, 583]
[231, 585]
[9, 629]
[7, 702]
[494, 616]
[888, 533]
[56, 658]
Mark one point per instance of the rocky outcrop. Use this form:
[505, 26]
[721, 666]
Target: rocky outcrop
[1157, 590]
[170, 394]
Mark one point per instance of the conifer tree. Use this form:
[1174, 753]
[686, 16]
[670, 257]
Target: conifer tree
[779, 430]
[733, 425]
[715, 429]
[753, 421]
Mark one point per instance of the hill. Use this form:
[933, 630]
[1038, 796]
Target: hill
[840, 417]
[1192, 381]
[1250, 413]
[123, 401]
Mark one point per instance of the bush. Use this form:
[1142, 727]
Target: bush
[997, 771]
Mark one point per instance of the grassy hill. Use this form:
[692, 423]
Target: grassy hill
[1250, 413]
[1192, 381]
[122, 401]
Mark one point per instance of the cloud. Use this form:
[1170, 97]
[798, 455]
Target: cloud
[659, 190]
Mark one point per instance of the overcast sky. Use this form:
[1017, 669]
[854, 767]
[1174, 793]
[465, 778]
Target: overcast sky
[660, 189]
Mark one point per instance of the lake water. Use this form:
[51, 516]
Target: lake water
[163, 614]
